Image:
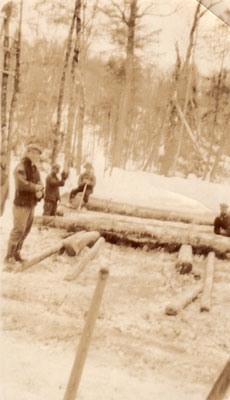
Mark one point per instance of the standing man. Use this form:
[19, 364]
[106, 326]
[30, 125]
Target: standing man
[86, 178]
[28, 191]
[52, 195]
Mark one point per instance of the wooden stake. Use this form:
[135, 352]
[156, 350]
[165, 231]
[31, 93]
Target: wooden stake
[184, 261]
[78, 365]
[206, 296]
[221, 385]
[80, 266]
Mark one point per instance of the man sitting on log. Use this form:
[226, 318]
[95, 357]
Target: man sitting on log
[52, 195]
[222, 223]
[86, 183]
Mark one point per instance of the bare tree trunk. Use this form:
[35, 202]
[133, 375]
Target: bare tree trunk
[5, 75]
[56, 131]
[5, 156]
[16, 83]
[72, 103]
[125, 101]
[80, 126]
[213, 132]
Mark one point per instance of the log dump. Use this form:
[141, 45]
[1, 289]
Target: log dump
[113, 207]
[147, 233]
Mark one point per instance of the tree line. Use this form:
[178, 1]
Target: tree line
[61, 95]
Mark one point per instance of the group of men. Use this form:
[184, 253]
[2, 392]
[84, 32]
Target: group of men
[29, 190]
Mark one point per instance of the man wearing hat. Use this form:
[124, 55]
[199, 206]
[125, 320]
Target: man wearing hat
[222, 223]
[28, 191]
[87, 181]
[52, 195]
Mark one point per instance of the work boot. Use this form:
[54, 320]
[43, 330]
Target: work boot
[9, 264]
[17, 257]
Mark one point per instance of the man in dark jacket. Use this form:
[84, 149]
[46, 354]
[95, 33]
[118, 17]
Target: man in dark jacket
[86, 178]
[52, 195]
[222, 223]
[28, 191]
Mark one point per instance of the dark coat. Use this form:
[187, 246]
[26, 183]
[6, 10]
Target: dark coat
[52, 187]
[26, 176]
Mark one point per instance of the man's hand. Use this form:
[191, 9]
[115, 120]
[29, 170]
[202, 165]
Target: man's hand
[64, 175]
[38, 187]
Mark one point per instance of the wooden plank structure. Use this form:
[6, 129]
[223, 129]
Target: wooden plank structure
[182, 300]
[139, 232]
[80, 266]
[83, 347]
[208, 283]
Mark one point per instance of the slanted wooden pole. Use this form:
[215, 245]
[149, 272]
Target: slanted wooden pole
[82, 197]
[184, 261]
[80, 266]
[181, 301]
[221, 385]
[208, 283]
[74, 242]
[78, 365]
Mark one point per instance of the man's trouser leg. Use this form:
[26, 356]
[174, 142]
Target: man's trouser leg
[22, 220]
[48, 208]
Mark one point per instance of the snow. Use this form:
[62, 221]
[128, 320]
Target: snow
[136, 352]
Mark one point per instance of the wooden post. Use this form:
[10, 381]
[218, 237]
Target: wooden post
[92, 252]
[184, 262]
[206, 296]
[78, 365]
[183, 300]
[221, 385]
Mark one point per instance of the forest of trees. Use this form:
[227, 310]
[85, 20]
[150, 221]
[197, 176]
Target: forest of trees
[61, 95]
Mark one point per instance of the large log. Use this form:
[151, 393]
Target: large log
[184, 260]
[77, 242]
[206, 296]
[167, 214]
[139, 232]
[183, 299]
[89, 256]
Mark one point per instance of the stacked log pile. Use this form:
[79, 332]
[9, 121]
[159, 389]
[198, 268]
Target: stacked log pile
[144, 232]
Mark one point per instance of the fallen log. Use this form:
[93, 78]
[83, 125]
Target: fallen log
[184, 261]
[139, 232]
[89, 256]
[77, 242]
[183, 299]
[114, 207]
[206, 296]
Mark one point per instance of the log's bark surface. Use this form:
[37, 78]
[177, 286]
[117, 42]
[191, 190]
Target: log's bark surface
[154, 233]
[80, 266]
[184, 261]
[176, 305]
[113, 207]
[209, 273]
[76, 242]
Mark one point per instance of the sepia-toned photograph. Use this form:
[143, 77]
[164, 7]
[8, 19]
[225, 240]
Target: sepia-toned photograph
[115, 199]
